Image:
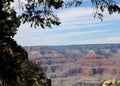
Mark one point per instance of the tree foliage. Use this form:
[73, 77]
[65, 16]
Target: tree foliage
[11, 58]
[9, 22]
[32, 75]
[16, 69]
[101, 5]
[117, 84]
[12, 55]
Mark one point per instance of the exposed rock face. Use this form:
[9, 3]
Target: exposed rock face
[67, 63]
[116, 57]
[51, 60]
[72, 51]
[92, 64]
[87, 84]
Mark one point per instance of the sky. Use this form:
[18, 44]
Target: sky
[78, 26]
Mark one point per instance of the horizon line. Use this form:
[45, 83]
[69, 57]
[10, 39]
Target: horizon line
[73, 44]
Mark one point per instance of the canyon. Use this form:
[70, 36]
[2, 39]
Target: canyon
[78, 65]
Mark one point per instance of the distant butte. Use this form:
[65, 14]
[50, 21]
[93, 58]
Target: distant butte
[92, 55]
[92, 64]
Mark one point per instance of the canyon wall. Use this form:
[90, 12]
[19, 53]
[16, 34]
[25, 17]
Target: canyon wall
[78, 65]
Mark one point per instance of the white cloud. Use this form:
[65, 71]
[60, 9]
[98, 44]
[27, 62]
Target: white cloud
[55, 38]
[71, 13]
[114, 39]
[106, 40]
[83, 18]
[75, 34]
[76, 22]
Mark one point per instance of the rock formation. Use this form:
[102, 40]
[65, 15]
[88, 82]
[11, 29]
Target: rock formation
[92, 64]
[85, 64]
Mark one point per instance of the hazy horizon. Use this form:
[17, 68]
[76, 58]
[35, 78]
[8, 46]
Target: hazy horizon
[73, 44]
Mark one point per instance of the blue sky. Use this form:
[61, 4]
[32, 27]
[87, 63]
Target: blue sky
[78, 27]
